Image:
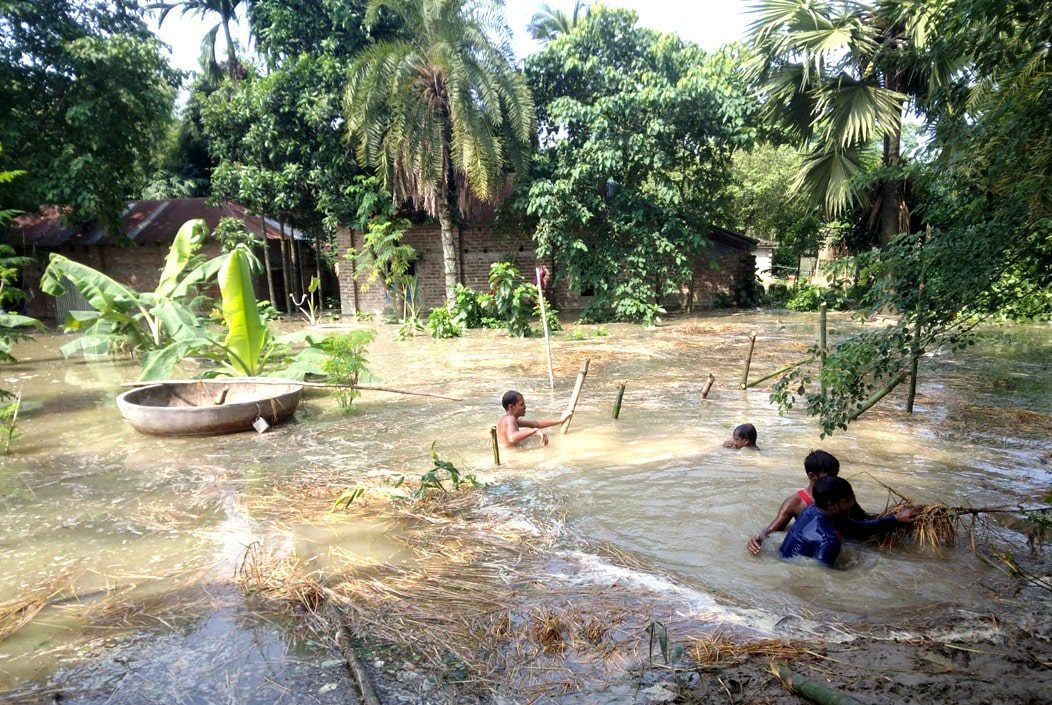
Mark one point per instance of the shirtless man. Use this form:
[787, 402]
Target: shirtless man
[512, 429]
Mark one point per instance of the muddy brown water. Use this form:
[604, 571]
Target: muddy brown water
[89, 502]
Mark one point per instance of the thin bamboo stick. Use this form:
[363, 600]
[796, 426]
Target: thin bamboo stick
[356, 667]
[811, 690]
[915, 346]
[578, 385]
[617, 400]
[496, 446]
[877, 397]
[822, 311]
[277, 380]
[544, 322]
[748, 361]
[780, 370]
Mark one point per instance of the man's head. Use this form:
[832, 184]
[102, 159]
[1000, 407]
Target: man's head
[833, 495]
[513, 403]
[744, 435]
[819, 463]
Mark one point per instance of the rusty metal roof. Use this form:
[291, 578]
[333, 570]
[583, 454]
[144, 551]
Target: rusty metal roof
[145, 222]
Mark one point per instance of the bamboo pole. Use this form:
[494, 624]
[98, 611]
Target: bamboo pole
[877, 397]
[496, 446]
[780, 370]
[578, 384]
[810, 689]
[277, 380]
[356, 667]
[617, 400]
[708, 386]
[544, 322]
[915, 346]
[748, 361]
[822, 310]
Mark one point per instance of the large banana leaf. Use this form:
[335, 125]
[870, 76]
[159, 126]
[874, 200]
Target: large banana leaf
[160, 364]
[186, 244]
[104, 294]
[247, 336]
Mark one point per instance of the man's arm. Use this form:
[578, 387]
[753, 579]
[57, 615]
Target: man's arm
[790, 509]
[828, 549]
[511, 435]
[545, 423]
[870, 527]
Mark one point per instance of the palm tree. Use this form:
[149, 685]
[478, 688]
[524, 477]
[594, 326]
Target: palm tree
[227, 11]
[838, 74]
[442, 114]
[549, 22]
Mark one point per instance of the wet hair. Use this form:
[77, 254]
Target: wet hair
[746, 431]
[819, 462]
[830, 489]
[509, 398]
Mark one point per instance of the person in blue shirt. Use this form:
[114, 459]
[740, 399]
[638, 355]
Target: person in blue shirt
[814, 533]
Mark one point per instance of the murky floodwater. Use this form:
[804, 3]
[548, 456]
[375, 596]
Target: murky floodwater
[161, 523]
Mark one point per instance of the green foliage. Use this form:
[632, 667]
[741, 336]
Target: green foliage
[266, 310]
[247, 336]
[513, 298]
[440, 470]
[88, 96]
[345, 363]
[809, 297]
[472, 309]
[636, 133]
[548, 23]
[9, 432]
[601, 332]
[10, 265]
[578, 334]
[442, 324]
[231, 232]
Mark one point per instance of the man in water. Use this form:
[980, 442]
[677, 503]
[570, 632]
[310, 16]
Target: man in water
[814, 534]
[817, 464]
[512, 429]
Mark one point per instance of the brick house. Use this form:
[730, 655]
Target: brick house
[718, 270]
[150, 226]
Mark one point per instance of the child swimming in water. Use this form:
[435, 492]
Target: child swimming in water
[512, 429]
[743, 436]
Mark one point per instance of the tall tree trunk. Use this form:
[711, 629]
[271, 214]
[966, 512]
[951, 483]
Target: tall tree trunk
[231, 59]
[286, 269]
[891, 201]
[317, 270]
[266, 261]
[449, 250]
[301, 266]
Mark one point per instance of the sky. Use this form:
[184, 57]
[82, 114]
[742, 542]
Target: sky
[709, 23]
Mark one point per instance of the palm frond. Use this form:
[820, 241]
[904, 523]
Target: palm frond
[853, 111]
[827, 177]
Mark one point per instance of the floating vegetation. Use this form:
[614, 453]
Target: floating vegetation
[720, 651]
[934, 527]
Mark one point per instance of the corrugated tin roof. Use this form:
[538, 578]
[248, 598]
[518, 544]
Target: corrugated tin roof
[145, 222]
[730, 237]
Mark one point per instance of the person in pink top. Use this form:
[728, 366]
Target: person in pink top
[818, 463]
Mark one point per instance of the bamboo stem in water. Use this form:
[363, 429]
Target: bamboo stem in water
[496, 446]
[809, 689]
[357, 668]
[780, 370]
[544, 322]
[708, 386]
[617, 400]
[748, 361]
[877, 397]
[822, 311]
[577, 386]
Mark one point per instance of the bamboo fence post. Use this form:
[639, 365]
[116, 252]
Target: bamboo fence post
[496, 446]
[822, 310]
[877, 397]
[620, 396]
[356, 667]
[915, 346]
[544, 322]
[578, 384]
[809, 689]
[748, 361]
[708, 386]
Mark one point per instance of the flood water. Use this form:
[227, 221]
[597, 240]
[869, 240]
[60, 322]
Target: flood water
[91, 508]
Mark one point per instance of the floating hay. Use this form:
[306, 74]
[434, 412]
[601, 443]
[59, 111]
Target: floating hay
[20, 611]
[547, 630]
[718, 650]
[935, 526]
[595, 631]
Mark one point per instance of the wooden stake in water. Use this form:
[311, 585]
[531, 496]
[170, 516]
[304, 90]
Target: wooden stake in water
[708, 386]
[496, 446]
[577, 385]
[748, 361]
[822, 308]
[617, 400]
[544, 322]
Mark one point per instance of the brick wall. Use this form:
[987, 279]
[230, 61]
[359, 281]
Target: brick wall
[716, 270]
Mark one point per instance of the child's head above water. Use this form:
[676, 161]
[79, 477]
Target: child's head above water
[819, 463]
[743, 436]
[833, 494]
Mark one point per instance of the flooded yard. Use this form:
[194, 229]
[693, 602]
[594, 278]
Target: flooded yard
[132, 547]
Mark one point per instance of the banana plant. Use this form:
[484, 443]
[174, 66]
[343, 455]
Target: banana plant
[124, 320]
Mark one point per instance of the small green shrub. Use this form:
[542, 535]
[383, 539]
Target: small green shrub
[345, 363]
[578, 334]
[513, 298]
[554, 326]
[364, 316]
[601, 332]
[432, 479]
[267, 312]
[9, 432]
[806, 298]
[471, 308]
[778, 294]
[442, 324]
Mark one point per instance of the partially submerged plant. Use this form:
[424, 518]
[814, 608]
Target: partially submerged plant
[311, 314]
[9, 432]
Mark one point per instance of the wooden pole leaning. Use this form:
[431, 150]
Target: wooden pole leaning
[617, 400]
[748, 361]
[577, 386]
[544, 322]
[708, 386]
[496, 445]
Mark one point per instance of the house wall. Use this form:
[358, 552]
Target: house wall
[717, 269]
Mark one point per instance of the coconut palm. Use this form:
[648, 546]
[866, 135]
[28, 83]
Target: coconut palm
[227, 11]
[838, 74]
[443, 114]
[549, 22]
